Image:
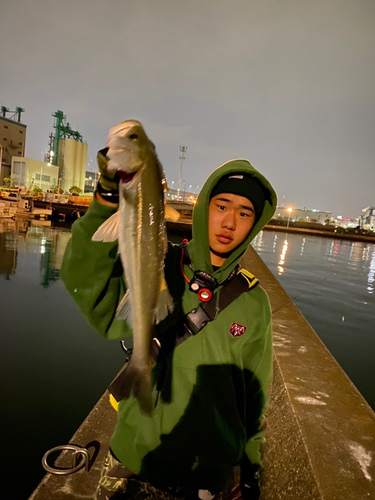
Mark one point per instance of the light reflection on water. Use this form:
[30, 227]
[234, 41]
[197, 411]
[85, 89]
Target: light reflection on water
[54, 364]
[332, 283]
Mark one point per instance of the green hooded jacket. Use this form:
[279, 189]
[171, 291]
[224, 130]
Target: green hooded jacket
[212, 390]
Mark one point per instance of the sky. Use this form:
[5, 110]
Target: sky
[287, 84]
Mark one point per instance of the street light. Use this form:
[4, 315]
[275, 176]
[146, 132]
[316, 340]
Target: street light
[289, 212]
[183, 150]
[183, 198]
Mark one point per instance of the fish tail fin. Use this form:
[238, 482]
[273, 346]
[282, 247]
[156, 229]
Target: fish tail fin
[164, 304]
[137, 380]
[124, 310]
[108, 231]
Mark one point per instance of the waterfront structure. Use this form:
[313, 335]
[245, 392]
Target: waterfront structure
[303, 215]
[12, 140]
[367, 220]
[28, 172]
[183, 196]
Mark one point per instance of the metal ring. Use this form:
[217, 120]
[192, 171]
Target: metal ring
[78, 451]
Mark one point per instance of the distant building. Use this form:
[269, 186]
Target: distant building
[90, 181]
[185, 196]
[367, 220]
[27, 173]
[12, 143]
[302, 215]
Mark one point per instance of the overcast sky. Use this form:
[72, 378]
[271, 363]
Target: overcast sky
[287, 84]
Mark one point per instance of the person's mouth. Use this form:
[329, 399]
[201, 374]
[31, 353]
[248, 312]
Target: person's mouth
[224, 238]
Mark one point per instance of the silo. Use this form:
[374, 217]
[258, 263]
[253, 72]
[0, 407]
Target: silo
[77, 164]
[69, 153]
[80, 167]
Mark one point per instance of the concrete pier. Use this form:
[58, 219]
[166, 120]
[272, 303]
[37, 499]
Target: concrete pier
[320, 431]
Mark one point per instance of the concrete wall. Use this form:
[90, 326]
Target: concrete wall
[321, 432]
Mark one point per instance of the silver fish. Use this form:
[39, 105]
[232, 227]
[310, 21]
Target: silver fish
[140, 229]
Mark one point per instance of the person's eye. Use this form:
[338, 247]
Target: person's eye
[244, 214]
[221, 207]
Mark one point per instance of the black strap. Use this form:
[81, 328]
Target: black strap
[197, 319]
[192, 324]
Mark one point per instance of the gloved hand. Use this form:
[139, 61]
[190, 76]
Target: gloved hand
[108, 179]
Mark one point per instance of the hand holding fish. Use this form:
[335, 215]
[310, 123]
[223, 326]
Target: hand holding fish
[109, 178]
[139, 227]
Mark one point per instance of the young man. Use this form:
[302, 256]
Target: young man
[212, 389]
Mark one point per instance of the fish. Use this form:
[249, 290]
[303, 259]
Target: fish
[139, 227]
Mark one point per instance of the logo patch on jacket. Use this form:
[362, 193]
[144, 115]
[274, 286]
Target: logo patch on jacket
[236, 330]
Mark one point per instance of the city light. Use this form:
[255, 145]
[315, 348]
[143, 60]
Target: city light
[289, 212]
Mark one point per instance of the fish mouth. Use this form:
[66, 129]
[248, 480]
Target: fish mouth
[126, 176]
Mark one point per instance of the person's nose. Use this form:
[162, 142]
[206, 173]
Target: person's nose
[229, 221]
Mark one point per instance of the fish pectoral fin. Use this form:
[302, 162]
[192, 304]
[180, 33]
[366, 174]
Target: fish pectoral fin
[164, 305]
[108, 231]
[124, 310]
[170, 213]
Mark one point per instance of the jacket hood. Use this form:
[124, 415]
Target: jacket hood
[199, 250]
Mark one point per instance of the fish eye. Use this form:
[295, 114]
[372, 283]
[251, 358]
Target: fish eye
[133, 137]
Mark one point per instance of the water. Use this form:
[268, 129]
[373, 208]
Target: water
[332, 282]
[54, 367]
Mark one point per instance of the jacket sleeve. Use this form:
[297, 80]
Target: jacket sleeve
[93, 274]
[257, 357]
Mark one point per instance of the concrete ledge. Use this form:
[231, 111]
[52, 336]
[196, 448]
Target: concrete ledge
[325, 234]
[97, 429]
[321, 432]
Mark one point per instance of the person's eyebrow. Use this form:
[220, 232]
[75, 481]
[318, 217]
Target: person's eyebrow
[224, 199]
[247, 208]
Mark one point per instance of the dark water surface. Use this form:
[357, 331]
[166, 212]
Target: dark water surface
[54, 367]
[332, 283]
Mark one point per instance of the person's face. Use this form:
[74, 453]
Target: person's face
[230, 220]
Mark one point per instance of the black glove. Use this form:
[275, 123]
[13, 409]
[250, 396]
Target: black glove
[107, 186]
[108, 179]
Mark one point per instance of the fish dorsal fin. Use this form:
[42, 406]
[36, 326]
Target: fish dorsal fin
[108, 231]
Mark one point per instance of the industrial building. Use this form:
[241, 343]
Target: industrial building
[27, 173]
[302, 215]
[12, 139]
[64, 165]
[72, 163]
[367, 220]
[68, 152]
